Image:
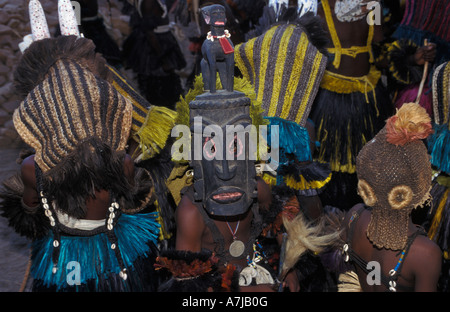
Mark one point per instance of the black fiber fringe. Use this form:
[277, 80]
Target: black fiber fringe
[281, 194]
[341, 191]
[313, 171]
[41, 55]
[30, 225]
[91, 166]
[313, 276]
[209, 281]
[348, 119]
[310, 23]
[399, 58]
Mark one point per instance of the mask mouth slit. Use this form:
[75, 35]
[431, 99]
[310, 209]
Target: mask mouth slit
[227, 197]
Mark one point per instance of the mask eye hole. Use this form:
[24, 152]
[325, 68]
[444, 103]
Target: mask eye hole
[400, 196]
[366, 192]
[235, 147]
[209, 148]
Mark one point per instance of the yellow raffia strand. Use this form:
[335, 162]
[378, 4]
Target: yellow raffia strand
[346, 84]
[306, 96]
[443, 180]
[269, 179]
[136, 116]
[248, 51]
[355, 50]
[333, 34]
[239, 61]
[393, 46]
[438, 216]
[155, 130]
[163, 234]
[338, 51]
[305, 185]
[264, 59]
[249, 54]
[334, 163]
[294, 79]
[446, 91]
[279, 69]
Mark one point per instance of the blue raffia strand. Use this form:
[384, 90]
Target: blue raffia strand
[293, 139]
[132, 232]
[439, 147]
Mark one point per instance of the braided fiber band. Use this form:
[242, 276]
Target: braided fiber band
[68, 107]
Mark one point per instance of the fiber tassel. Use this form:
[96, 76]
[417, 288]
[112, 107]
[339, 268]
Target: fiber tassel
[410, 123]
[155, 131]
[302, 237]
[349, 282]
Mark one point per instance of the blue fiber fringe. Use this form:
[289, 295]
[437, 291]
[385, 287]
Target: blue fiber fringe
[135, 235]
[293, 139]
[439, 147]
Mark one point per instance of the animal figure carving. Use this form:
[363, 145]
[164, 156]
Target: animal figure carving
[217, 50]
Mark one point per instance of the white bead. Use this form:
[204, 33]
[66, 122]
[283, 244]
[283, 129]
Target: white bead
[115, 205]
[123, 275]
[112, 215]
[113, 246]
[345, 247]
[110, 227]
[111, 209]
[44, 200]
[55, 243]
[54, 270]
[52, 223]
[48, 213]
[392, 289]
[46, 206]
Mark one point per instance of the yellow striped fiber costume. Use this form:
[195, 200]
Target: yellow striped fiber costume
[285, 69]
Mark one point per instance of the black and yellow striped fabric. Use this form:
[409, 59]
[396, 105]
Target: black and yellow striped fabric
[285, 69]
[151, 125]
[68, 107]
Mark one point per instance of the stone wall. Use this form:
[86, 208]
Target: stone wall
[14, 25]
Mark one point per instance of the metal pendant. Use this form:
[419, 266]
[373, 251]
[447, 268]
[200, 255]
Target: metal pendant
[237, 248]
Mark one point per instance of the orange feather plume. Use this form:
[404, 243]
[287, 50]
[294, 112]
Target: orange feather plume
[410, 123]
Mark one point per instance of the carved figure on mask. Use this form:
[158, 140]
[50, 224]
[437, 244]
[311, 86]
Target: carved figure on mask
[217, 50]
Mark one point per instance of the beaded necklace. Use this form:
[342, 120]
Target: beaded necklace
[57, 227]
